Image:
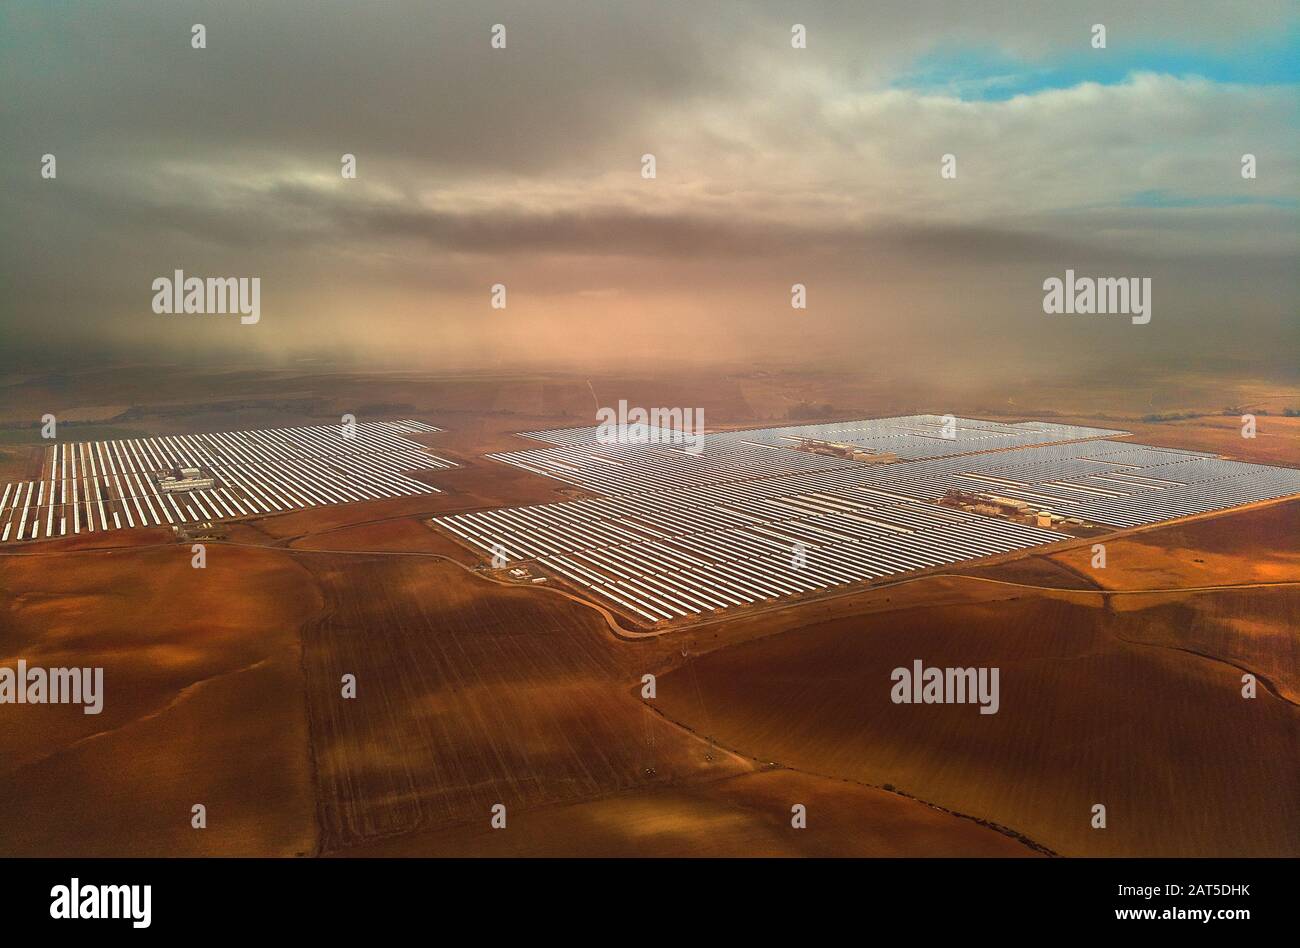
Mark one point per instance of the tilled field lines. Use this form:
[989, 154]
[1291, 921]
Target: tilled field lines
[470, 697]
[1097, 705]
[112, 485]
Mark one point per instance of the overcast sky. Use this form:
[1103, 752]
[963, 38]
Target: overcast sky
[775, 166]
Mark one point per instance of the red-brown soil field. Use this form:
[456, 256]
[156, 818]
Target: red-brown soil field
[1161, 736]
[203, 704]
[1119, 686]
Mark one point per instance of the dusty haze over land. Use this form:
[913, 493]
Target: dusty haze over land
[775, 166]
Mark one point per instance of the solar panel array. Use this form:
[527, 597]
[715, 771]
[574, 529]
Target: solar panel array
[111, 485]
[1113, 483]
[636, 468]
[747, 519]
[668, 554]
[913, 437]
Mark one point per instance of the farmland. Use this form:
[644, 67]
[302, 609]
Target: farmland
[1099, 705]
[223, 685]
[468, 697]
[203, 705]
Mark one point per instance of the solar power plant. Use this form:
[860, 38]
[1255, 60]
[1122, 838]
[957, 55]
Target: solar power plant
[1105, 482]
[636, 468]
[111, 485]
[908, 437]
[925, 436]
[744, 520]
[670, 554]
[652, 458]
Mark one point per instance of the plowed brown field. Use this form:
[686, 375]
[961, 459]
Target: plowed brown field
[1159, 735]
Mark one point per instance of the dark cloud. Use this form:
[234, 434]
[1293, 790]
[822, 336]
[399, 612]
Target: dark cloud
[476, 165]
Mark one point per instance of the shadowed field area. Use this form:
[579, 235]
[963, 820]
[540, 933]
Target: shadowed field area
[203, 703]
[1162, 737]
[471, 694]
[468, 695]
[745, 815]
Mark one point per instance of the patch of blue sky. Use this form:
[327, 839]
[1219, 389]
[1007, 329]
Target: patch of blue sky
[1163, 198]
[987, 74]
